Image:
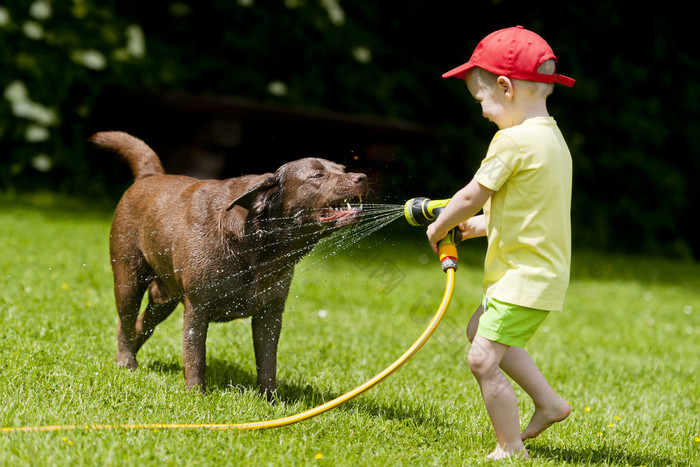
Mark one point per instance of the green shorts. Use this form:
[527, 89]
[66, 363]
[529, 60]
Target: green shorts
[509, 324]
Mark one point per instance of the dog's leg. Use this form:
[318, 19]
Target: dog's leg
[266, 333]
[128, 294]
[194, 346]
[160, 305]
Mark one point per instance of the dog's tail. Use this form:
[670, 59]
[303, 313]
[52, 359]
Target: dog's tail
[143, 161]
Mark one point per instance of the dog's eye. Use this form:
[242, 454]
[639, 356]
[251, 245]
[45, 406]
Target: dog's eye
[317, 175]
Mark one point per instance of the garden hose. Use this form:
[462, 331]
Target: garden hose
[448, 258]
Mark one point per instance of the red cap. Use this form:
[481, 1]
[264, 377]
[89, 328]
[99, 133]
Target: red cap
[514, 53]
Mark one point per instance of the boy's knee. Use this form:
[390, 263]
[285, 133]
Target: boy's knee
[479, 361]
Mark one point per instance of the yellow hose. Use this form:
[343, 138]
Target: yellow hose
[286, 420]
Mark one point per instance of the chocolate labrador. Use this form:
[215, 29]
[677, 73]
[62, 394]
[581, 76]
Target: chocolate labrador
[225, 248]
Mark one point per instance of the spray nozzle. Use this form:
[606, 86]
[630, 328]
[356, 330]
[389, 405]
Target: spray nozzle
[421, 211]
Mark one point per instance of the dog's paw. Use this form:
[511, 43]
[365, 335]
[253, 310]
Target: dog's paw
[126, 360]
[269, 394]
[196, 388]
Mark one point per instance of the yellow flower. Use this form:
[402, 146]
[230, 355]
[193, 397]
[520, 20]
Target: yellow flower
[611, 425]
[319, 456]
[587, 409]
[697, 439]
[617, 418]
[64, 286]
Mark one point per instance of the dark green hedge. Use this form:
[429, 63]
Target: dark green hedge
[630, 120]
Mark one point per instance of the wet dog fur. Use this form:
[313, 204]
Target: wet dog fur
[224, 248]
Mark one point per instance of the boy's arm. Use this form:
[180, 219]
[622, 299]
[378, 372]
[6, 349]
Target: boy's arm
[464, 204]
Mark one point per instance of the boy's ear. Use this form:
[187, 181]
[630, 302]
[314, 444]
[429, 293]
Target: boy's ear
[505, 85]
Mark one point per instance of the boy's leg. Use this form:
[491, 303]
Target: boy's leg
[549, 406]
[499, 397]
[516, 362]
[474, 323]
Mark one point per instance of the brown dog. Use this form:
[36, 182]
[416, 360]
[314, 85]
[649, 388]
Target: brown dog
[225, 248]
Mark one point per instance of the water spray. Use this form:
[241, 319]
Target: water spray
[417, 211]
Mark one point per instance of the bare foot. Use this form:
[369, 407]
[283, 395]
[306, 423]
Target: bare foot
[505, 453]
[546, 416]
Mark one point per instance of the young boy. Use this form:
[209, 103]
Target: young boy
[524, 188]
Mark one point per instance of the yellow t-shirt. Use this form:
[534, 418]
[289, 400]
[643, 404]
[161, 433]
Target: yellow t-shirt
[528, 218]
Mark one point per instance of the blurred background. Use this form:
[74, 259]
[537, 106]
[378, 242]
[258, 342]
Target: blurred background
[221, 88]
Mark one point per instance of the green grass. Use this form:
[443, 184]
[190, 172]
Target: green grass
[624, 353]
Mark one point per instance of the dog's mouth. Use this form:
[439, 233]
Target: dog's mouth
[342, 212]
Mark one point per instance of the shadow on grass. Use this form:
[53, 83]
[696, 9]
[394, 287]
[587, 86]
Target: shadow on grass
[226, 376]
[605, 455]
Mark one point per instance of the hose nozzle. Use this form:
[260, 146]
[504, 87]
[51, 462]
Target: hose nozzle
[421, 211]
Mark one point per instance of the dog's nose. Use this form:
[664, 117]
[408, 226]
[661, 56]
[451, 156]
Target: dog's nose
[358, 178]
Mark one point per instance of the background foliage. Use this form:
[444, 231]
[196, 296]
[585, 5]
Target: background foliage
[630, 119]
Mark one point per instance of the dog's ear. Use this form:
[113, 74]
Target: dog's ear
[255, 198]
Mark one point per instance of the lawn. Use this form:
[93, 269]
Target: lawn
[624, 353]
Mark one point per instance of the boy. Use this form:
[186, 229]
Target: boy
[524, 187]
